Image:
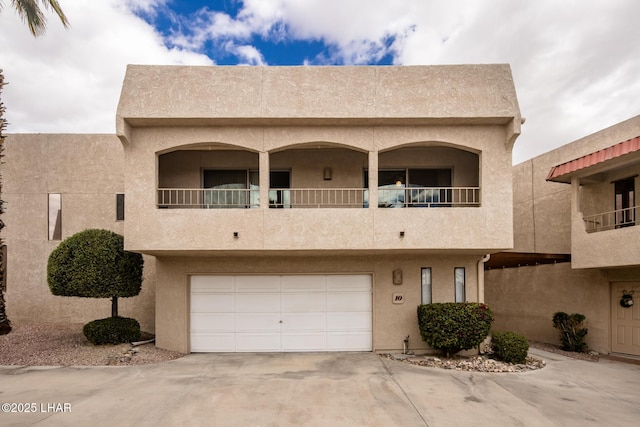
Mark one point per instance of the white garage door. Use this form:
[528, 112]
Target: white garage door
[281, 313]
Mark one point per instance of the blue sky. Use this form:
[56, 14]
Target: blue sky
[575, 63]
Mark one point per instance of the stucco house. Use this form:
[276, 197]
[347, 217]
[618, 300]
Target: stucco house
[278, 208]
[576, 247]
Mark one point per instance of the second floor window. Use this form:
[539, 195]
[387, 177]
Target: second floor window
[625, 202]
[55, 216]
[231, 188]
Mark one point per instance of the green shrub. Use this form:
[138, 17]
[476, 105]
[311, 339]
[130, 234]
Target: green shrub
[452, 327]
[509, 347]
[112, 330]
[572, 332]
[93, 264]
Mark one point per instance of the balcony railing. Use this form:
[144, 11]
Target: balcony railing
[208, 198]
[611, 220]
[317, 198]
[428, 197]
[392, 197]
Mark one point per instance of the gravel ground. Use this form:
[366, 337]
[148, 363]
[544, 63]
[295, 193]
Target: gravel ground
[63, 344]
[484, 363]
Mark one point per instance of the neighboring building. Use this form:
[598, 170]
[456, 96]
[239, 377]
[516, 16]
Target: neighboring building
[577, 200]
[278, 208]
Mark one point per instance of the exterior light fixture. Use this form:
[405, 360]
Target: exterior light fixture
[327, 174]
[402, 234]
[235, 235]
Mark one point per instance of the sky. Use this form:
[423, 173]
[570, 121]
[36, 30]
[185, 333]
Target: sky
[575, 63]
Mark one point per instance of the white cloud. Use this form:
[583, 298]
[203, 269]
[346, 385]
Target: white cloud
[70, 80]
[575, 64]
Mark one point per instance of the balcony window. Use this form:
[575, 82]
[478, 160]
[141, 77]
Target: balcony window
[231, 188]
[624, 202]
[624, 205]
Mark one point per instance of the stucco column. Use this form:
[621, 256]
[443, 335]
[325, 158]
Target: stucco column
[373, 179]
[264, 180]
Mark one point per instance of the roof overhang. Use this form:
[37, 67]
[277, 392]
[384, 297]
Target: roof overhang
[623, 154]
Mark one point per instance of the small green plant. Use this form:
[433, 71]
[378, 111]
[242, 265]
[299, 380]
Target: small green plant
[572, 332]
[112, 330]
[509, 347]
[453, 327]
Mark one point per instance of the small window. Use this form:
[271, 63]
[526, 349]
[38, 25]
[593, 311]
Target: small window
[460, 284]
[119, 207]
[426, 285]
[55, 216]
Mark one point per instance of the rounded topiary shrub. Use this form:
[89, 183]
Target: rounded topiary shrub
[509, 347]
[452, 327]
[112, 330]
[93, 264]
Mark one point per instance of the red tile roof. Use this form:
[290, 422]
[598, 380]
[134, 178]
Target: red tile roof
[620, 149]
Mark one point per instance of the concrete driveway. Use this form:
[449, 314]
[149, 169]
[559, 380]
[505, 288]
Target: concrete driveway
[336, 389]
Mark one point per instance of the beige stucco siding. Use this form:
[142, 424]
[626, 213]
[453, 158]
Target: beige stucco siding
[524, 300]
[87, 170]
[391, 322]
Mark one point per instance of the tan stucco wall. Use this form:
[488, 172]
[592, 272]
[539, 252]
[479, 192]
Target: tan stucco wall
[203, 94]
[391, 322]
[542, 209]
[88, 171]
[524, 300]
[147, 228]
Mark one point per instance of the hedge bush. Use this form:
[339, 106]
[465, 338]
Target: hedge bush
[509, 347]
[572, 332]
[453, 327]
[112, 330]
[93, 264]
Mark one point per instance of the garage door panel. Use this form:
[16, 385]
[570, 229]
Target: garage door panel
[257, 322]
[213, 342]
[354, 341]
[207, 303]
[257, 303]
[340, 321]
[304, 322]
[258, 284]
[304, 284]
[212, 322]
[348, 283]
[257, 341]
[212, 283]
[349, 301]
[297, 303]
[304, 341]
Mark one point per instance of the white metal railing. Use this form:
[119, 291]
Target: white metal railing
[388, 197]
[317, 198]
[208, 198]
[611, 220]
[428, 197]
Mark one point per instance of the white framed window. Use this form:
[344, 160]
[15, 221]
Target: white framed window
[426, 285]
[460, 285]
[55, 216]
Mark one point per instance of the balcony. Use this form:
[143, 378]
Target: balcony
[395, 197]
[317, 200]
[428, 197]
[611, 220]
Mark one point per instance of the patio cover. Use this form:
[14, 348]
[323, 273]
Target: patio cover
[564, 171]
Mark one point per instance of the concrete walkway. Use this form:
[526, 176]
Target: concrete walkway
[338, 389]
